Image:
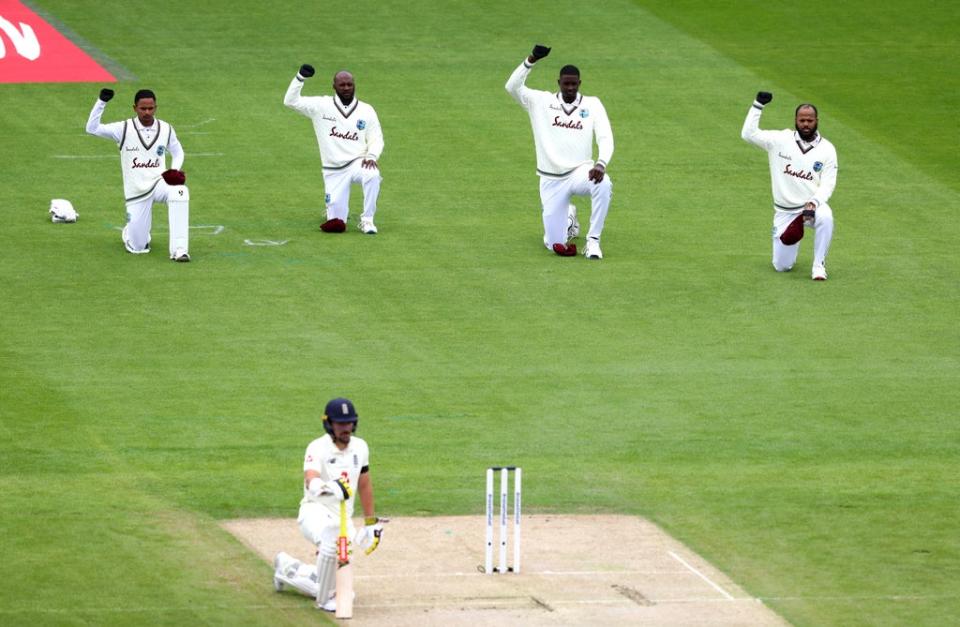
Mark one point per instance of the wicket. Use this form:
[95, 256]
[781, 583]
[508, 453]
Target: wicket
[504, 507]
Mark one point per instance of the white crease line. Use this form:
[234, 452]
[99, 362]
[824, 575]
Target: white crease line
[526, 601]
[701, 575]
[543, 573]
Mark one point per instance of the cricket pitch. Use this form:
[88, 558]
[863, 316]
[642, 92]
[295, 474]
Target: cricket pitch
[575, 570]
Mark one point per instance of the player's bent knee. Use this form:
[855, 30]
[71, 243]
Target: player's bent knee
[178, 193]
[782, 268]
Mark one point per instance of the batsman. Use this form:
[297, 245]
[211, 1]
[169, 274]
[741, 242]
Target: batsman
[336, 469]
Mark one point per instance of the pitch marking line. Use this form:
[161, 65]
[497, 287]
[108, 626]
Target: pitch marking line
[701, 576]
[542, 573]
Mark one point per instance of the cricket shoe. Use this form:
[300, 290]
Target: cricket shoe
[277, 570]
[565, 250]
[334, 225]
[130, 249]
[331, 605]
[573, 226]
[367, 226]
[180, 256]
[819, 272]
[592, 249]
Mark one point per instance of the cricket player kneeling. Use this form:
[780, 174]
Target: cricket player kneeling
[333, 464]
[144, 142]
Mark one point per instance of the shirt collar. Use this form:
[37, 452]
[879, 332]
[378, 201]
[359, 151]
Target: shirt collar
[806, 145]
[141, 127]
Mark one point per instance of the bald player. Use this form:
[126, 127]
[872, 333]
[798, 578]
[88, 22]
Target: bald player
[351, 142]
[336, 468]
[803, 174]
[565, 124]
[144, 142]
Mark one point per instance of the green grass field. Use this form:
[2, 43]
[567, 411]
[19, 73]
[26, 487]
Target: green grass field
[801, 436]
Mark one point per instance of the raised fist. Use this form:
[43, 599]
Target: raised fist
[763, 97]
[539, 52]
[306, 70]
[106, 94]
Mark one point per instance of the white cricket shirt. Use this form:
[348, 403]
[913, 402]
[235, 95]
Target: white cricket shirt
[344, 134]
[800, 172]
[324, 457]
[143, 150]
[562, 133]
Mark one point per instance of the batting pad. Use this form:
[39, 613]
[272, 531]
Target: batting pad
[178, 207]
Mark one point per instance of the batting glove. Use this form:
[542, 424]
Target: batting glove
[369, 537]
[763, 97]
[539, 52]
[106, 94]
[339, 488]
[306, 71]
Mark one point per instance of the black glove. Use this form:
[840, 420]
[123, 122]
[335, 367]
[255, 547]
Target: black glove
[539, 51]
[306, 70]
[763, 97]
[106, 94]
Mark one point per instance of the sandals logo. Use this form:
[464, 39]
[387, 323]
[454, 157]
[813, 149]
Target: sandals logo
[33, 51]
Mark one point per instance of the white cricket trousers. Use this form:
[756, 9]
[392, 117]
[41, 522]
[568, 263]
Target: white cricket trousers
[136, 233]
[555, 197]
[320, 526]
[336, 186]
[784, 257]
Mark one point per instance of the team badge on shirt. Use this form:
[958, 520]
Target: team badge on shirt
[160, 151]
[361, 124]
[584, 113]
[817, 166]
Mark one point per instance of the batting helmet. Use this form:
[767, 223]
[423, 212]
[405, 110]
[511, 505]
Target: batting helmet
[339, 410]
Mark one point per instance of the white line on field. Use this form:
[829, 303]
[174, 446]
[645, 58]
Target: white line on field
[701, 575]
[189, 154]
[207, 121]
[526, 600]
[542, 573]
[215, 229]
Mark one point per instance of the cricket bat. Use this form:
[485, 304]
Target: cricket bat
[344, 569]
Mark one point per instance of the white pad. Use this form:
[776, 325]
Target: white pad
[62, 210]
[326, 575]
[294, 573]
[178, 208]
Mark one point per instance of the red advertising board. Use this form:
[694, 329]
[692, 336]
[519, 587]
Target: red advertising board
[33, 51]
